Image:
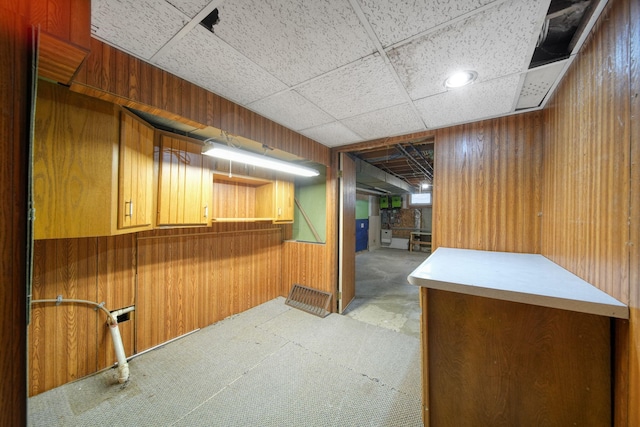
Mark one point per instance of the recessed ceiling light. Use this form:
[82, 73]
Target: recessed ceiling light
[461, 78]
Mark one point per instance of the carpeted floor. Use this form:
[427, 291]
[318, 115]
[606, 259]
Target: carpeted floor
[270, 366]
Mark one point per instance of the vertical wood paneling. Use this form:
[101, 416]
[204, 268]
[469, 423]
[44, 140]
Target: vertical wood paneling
[62, 345]
[113, 75]
[348, 231]
[587, 164]
[14, 125]
[116, 287]
[66, 19]
[592, 181]
[486, 190]
[634, 231]
[70, 341]
[182, 176]
[305, 264]
[188, 281]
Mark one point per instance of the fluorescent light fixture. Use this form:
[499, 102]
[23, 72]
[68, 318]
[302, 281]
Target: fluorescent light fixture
[220, 151]
[461, 78]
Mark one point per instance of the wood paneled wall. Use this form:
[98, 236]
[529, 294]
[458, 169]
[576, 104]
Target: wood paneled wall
[591, 198]
[189, 281]
[633, 416]
[67, 20]
[487, 185]
[121, 78]
[69, 341]
[306, 264]
[186, 279]
[312, 264]
[587, 164]
[347, 251]
[14, 136]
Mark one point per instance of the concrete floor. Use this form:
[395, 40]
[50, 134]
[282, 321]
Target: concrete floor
[383, 296]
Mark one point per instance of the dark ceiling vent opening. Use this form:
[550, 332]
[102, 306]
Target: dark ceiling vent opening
[211, 20]
[565, 22]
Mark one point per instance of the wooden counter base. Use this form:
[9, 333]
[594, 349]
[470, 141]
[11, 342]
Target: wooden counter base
[500, 363]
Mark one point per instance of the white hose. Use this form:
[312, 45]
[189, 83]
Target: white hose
[123, 366]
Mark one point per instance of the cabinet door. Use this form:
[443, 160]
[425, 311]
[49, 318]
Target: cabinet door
[74, 177]
[135, 180]
[285, 193]
[182, 175]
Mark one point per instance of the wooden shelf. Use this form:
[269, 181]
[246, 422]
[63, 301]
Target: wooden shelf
[242, 219]
[243, 179]
[241, 198]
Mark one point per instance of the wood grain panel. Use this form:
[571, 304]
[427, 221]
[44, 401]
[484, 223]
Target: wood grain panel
[633, 374]
[70, 341]
[150, 89]
[347, 250]
[68, 20]
[135, 173]
[305, 264]
[62, 339]
[183, 173]
[116, 277]
[234, 200]
[587, 165]
[486, 189]
[191, 280]
[499, 363]
[592, 177]
[58, 60]
[75, 149]
[15, 105]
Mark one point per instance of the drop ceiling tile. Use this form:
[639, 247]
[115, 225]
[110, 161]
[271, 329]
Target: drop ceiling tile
[397, 20]
[141, 27]
[538, 82]
[195, 58]
[396, 120]
[291, 110]
[189, 7]
[360, 87]
[475, 102]
[332, 134]
[294, 41]
[490, 43]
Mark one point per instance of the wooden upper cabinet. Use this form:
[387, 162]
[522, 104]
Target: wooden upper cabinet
[184, 182]
[284, 194]
[75, 164]
[92, 167]
[135, 173]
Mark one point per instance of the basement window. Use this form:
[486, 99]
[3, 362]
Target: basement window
[420, 199]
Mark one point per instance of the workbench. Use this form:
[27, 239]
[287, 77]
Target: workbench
[416, 239]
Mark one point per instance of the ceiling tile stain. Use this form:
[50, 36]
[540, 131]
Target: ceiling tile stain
[344, 71]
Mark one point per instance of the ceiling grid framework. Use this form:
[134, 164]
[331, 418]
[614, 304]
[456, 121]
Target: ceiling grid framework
[347, 71]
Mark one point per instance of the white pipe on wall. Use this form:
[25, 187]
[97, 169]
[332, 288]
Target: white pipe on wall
[112, 321]
[123, 366]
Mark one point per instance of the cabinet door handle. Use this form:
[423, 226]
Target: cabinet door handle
[130, 213]
[206, 211]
